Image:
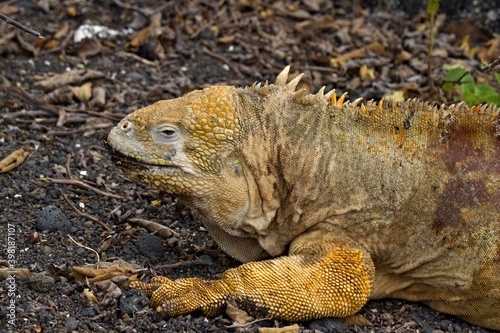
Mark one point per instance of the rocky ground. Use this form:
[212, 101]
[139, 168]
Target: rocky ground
[67, 205]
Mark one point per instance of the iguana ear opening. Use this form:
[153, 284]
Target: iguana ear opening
[234, 163]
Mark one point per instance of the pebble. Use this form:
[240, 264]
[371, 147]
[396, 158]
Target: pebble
[71, 324]
[150, 245]
[88, 312]
[52, 218]
[132, 301]
[41, 282]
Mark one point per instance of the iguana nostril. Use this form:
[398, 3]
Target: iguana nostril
[126, 126]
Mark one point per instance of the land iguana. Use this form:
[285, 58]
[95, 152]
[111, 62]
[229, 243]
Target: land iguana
[328, 203]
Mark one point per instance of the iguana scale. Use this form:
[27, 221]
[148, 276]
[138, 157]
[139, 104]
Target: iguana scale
[328, 203]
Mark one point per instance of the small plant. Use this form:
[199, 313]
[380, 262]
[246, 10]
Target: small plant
[432, 9]
[471, 92]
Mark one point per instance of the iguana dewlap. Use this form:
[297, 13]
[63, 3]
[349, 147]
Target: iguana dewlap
[352, 201]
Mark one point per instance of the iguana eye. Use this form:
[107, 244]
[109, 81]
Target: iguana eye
[165, 133]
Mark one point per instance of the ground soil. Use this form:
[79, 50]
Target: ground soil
[181, 46]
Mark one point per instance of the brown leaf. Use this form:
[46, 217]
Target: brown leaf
[99, 97]
[236, 314]
[90, 296]
[19, 273]
[374, 47]
[63, 30]
[26, 45]
[83, 92]
[9, 10]
[138, 40]
[104, 245]
[490, 50]
[367, 73]
[63, 95]
[106, 271]
[13, 160]
[88, 47]
[72, 77]
[357, 320]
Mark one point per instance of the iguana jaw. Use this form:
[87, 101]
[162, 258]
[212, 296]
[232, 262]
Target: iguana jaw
[131, 164]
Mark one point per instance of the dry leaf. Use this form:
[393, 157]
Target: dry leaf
[106, 271]
[84, 92]
[63, 95]
[236, 314]
[19, 273]
[9, 10]
[469, 50]
[357, 320]
[374, 47]
[396, 96]
[88, 47]
[63, 30]
[138, 40]
[26, 45]
[72, 77]
[367, 73]
[90, 296]
[99, 97]
[13, 160]
[403, 56]
[490, 50]
[104, 244]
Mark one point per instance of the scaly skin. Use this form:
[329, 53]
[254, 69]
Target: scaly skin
[370, 201]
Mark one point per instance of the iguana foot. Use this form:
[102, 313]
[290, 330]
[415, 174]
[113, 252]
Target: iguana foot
[182, 296]
[312, 282]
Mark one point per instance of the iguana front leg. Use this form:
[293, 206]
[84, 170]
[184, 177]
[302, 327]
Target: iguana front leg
[323, 276]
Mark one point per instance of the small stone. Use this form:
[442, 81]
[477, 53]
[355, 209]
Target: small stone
[52, 218]
[71, 324]
[150, 245]
[132, 301]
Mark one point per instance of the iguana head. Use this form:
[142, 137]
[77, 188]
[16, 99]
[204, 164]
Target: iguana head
[187, 147]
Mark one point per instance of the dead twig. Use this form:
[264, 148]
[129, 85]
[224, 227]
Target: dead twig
[68, 167]
[187, 263]
[80, 184]
[85, 215]
[88, 248]
[80, 130]
[491, 66]
[155, 228]
[21, 26]
[28, 98]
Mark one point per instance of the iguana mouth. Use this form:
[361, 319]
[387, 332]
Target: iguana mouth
[130, 163]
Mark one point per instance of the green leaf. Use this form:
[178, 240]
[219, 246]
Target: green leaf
[448, 86]
[497, 76]
[433, 7]
[467, 79]
[455, 74]
[484, 91]
[495, 100]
